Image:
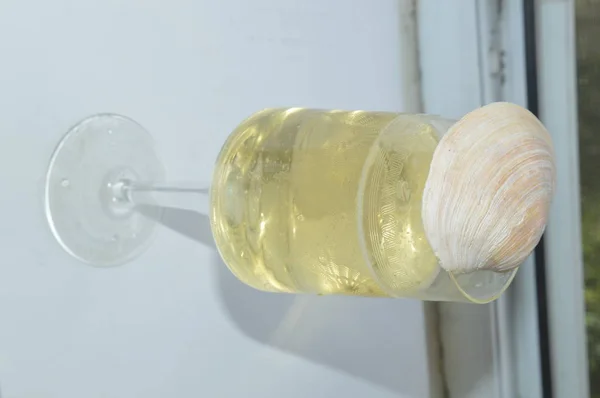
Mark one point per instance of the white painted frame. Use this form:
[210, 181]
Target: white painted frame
[564, 263]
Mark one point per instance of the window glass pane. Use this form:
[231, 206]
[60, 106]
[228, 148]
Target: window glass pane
[588, 65]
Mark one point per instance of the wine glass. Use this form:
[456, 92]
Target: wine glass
[301, 201]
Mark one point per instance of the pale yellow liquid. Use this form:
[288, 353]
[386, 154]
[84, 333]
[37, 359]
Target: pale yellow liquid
[325, 202]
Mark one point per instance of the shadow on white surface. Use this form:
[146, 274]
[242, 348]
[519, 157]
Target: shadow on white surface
[358, 336]
[363, 337]
[189, 223]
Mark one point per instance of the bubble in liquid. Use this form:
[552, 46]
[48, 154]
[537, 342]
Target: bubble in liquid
[65, 183]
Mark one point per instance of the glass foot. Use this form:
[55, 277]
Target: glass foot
[86, 215]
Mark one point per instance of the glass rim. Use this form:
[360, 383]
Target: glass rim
[434, 121]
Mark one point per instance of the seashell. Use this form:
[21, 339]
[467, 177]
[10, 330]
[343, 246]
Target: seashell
[488, 193]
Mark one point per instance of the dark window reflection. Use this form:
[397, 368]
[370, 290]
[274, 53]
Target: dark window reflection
[588, 65]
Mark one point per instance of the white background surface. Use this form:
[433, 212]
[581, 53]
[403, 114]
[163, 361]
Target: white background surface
[174, 323]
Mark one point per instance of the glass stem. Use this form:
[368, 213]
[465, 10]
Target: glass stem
[181, 195]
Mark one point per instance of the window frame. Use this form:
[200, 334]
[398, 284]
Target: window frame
[483, 56]
[557, 82]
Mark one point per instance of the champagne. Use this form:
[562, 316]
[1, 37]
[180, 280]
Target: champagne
[326, 202]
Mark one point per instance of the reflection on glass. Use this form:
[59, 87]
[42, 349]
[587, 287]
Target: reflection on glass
[588, 61]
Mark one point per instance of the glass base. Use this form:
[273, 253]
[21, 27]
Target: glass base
[89, 220]
[483, 286]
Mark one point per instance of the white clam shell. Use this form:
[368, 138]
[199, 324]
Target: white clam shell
[487, 196]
